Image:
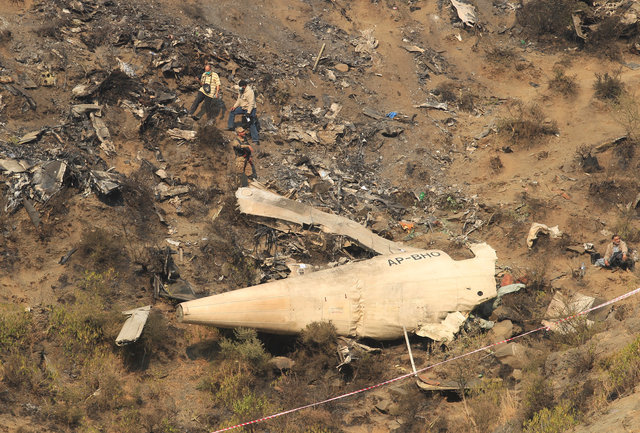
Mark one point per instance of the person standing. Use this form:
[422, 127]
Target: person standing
[209, 89]
[245, 168]
[246, 106]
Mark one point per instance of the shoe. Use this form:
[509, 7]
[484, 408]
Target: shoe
[257, 143]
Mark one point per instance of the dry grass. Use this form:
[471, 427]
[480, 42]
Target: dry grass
[104, 250]
[452, 92]
[563, 84]
[546, 18]
[602, 40]
[608, 87]
[491, 406]
[526, 124]
[505, 56]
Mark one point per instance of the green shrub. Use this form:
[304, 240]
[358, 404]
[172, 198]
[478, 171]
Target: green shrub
[623, 368]
[320, 336]
[101, 283]
[557, 420]
[83, 326]
[537, 396]
[227, 381]
[245, 347]
[247, 408]
[490, 405]
[23, 372]
[15, 328]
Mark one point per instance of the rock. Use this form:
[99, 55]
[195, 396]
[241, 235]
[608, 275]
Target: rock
[330, 75]
[384, 405]
[501, 331]
[517, 374]
[81, 90]
[164, 191]
[623, 412]
[341, 67]
[225, 269]
[398, 391]
[282, 362]
[512, 354]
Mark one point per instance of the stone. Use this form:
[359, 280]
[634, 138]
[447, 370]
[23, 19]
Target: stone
[282, 362]
[342, 67]
[501, 331]
[512, 354]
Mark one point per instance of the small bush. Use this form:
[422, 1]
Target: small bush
[506, 56]
[608, 87]
[466, 102]
[584, 360]
[103, 249]
[623, 369]
[447, 92]
[100, 284]
[625, 226]
[496, 164]
[624, 153]
[102, 381]
[22, 372]
[526, 124]
[602, 40]
[546, 17]
[564, 84]
[626, 112]
[248, 407]
[82, 327]
[581, 330]
[491, 405]
[319, 336]
[15, 328]
[228, 381]
[245, 347]
[537, 396]
[556, 420]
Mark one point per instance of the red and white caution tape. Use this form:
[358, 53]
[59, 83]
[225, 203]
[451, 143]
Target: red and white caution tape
[405, 376]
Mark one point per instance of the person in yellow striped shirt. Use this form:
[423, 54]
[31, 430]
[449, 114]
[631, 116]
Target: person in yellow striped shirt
[209, 89]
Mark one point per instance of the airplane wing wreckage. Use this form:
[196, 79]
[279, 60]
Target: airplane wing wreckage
[425, 291]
